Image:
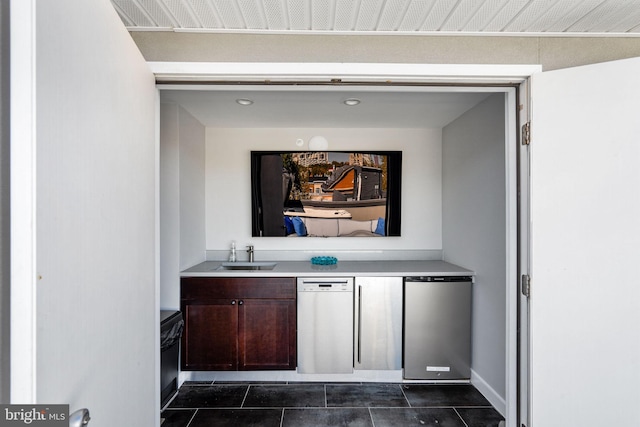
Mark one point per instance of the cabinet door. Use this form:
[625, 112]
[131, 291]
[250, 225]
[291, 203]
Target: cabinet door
[378, 323]
[267, 334]
[210, 336]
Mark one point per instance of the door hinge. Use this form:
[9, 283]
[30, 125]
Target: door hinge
[525, 285]
[526, 133]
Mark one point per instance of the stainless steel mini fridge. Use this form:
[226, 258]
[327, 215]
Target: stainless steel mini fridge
[437, 328]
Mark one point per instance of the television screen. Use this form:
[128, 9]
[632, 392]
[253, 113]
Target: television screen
[326, 193]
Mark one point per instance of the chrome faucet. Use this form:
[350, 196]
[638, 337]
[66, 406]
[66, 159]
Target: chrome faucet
[250, 252]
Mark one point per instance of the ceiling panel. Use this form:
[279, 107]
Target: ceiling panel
[558, 19]
[504, 15]
[610, 15]
[324, 108]
[461, 14]
[619, 17]
[415, 15]
[132, 14]
[392, 14]
[276, 15]
[206, 16]
[157, 11]
[531, 12]
[249, 13]
[438, 14]
[346, 12]
[321, 15]
[183, 14]
[228, 14]
[368, 13]
[299, 19]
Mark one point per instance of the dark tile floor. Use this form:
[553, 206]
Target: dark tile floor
[200, 404]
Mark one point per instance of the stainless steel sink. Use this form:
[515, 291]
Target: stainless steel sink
[246, 266]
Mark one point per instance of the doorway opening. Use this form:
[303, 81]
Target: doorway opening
[460, 183]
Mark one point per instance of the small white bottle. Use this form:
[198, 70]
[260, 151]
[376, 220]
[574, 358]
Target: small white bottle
[232, 254]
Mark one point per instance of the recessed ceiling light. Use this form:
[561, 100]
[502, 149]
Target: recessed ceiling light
[244, 101]
[351, 102]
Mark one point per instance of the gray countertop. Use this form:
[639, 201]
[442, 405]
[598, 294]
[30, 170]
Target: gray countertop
[341, 269]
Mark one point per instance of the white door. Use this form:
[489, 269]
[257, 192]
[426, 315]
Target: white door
[585, 245]
[84, 297]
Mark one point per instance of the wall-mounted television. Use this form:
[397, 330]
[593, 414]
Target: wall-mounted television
[326, 193]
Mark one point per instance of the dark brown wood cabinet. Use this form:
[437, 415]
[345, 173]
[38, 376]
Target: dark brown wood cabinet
[238, 323]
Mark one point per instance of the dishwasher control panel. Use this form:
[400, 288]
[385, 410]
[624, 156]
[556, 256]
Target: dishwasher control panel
[325, 285]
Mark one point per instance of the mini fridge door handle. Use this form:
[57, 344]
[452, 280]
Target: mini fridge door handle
[359, 352]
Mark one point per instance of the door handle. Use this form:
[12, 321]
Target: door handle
[233, 302]
[79, 418]
[359, 324]
[240, 302]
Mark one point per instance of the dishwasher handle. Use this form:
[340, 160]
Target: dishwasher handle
[325, 282]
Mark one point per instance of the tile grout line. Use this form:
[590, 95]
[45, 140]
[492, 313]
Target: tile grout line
[460, 416]
[192, 417]
[373, 423]
[326, 404]
[474, 406]
[405, 396]
[244, 399]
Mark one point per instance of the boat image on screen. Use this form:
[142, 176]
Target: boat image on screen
[325, 193]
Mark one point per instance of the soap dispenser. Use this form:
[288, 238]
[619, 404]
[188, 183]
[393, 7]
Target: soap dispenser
[232, 254]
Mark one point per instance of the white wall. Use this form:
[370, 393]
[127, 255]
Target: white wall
[228, 188]
[182, 234]
[96, 322]
[4, 204]
[192, 190]
[169, 207]
[474, 222]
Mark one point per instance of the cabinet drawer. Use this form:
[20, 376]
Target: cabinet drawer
[204, 288]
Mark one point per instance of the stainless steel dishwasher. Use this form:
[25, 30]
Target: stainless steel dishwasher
[325, 325]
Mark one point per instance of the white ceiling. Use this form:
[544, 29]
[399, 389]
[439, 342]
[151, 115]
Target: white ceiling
[324, 107]
[519, 17]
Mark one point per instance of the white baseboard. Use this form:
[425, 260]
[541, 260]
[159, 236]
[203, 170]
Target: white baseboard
[389, 376]
[487, 391]
[357, 376]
